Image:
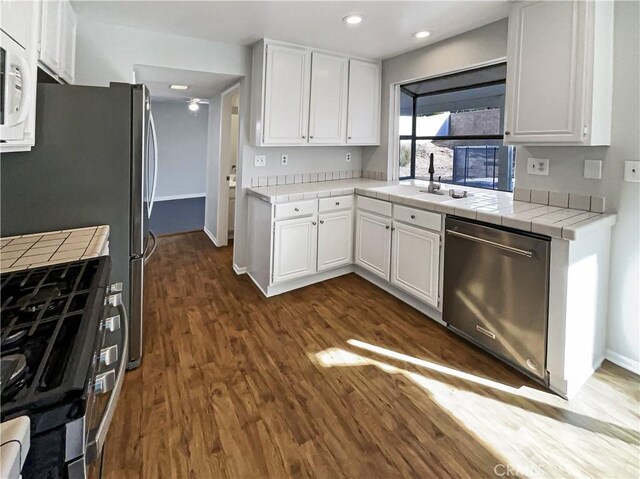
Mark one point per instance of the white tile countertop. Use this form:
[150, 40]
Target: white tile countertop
[42, 249]
[489, 206]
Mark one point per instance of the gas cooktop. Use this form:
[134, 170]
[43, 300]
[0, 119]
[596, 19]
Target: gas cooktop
[49, 326]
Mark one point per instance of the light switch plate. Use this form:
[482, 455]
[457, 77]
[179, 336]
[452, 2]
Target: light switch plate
[260, 160]
[284, 160]
[593, 169]
[632, 171]
[538, 166]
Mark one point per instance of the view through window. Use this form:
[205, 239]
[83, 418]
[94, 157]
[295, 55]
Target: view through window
[459, 119]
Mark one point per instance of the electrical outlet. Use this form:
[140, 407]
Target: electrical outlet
[260, 160]
[348, 156]
[632, 171]
[538, 166]
[284, 160]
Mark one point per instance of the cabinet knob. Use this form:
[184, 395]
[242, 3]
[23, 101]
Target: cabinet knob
[393, 229]
[303, 136]
[310, 136]
[413, 217]
[507, 132]
[296, 209]
[313, 223]
[348, 138]
[388, 227]
[321, 222]
[337, 203]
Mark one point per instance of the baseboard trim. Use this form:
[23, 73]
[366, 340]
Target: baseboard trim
[623, 361]
[239, 270]
[211, 237]
[180, 197]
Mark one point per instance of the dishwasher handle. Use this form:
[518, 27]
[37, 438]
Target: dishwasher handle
[511, 249]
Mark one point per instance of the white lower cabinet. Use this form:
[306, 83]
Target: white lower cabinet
[294, 248]
[335, 239]
[373, 243]
[415, 262]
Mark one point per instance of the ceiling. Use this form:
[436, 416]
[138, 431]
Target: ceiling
[387, 29]
[202, 85]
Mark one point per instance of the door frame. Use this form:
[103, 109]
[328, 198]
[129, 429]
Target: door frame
[222, 213]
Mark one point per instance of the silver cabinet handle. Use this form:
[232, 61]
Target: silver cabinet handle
[296, 209]
[109, 355]
[310, 136]
[510, 249]
[321, 222]
[413, 217]
[507, 132]
[112, 323]
[303, 137]
[337, 203]
[313, 223]
[387, 227]
[348, 138]
[105, 382]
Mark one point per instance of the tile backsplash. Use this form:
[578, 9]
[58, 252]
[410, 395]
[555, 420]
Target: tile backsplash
[596, 204]
[291, 179]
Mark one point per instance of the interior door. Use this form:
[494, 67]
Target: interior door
[328, 104]
[415, 262]
[286, 102]
[373, 243]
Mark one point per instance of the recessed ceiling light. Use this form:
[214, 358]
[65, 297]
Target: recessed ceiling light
[178, 87]
[422, 34]
[353, 19]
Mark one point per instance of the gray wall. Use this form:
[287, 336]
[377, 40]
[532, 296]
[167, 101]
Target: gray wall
[182, 148]
[566, 174]
[485, 44]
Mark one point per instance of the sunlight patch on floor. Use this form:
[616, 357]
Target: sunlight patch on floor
[520, 425]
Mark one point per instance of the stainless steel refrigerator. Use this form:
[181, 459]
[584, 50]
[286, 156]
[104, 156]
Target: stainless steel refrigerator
[94, 163]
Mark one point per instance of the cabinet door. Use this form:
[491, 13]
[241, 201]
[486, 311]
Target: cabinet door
[328, 105]
[286, 95]
[415, 263]
[68, 45]
[51, 34]
[545, 78]
[364, 103]
[18, 19]
[294, 248]
[373, 243]
[335, 239]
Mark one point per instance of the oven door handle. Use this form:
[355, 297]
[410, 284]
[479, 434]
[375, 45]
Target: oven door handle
[99, 435]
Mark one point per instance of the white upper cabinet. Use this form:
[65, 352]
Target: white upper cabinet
[302, 96]
[364, 103]
[17, 19]
[286, 95]
[328, 107]
[559, 74]
[58, 39]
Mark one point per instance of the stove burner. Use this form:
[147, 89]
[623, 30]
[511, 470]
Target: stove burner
[12, 367]
[34, 302]
[13, 337]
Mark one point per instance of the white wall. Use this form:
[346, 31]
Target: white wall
[484, 44]
[182, 149]
[107, 53]
[566, 174]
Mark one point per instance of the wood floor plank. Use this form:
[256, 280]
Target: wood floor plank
[234, 385]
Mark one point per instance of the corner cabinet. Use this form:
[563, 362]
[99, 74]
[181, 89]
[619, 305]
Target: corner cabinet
[58, 40]
[560, 74]
[302, 96]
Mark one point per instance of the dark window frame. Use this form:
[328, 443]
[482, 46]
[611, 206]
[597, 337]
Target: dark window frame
[415, 138]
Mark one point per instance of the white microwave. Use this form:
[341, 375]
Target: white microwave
[15, 89]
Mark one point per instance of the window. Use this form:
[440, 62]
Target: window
[458, 119]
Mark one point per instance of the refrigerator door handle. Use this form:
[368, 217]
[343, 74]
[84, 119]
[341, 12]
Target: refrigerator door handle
[152, 130]
[149, 253]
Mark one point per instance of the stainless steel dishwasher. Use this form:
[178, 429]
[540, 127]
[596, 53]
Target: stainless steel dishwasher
[496, 291]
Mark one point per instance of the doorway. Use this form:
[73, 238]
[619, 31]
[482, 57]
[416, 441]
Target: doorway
[228, 163]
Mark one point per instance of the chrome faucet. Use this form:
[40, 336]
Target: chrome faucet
[433, 186]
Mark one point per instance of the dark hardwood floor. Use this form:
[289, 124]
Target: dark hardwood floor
[340, 379]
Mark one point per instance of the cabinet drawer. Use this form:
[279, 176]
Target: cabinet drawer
[335, 203]
[412, 216]
[375, 206]
[297, 208]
